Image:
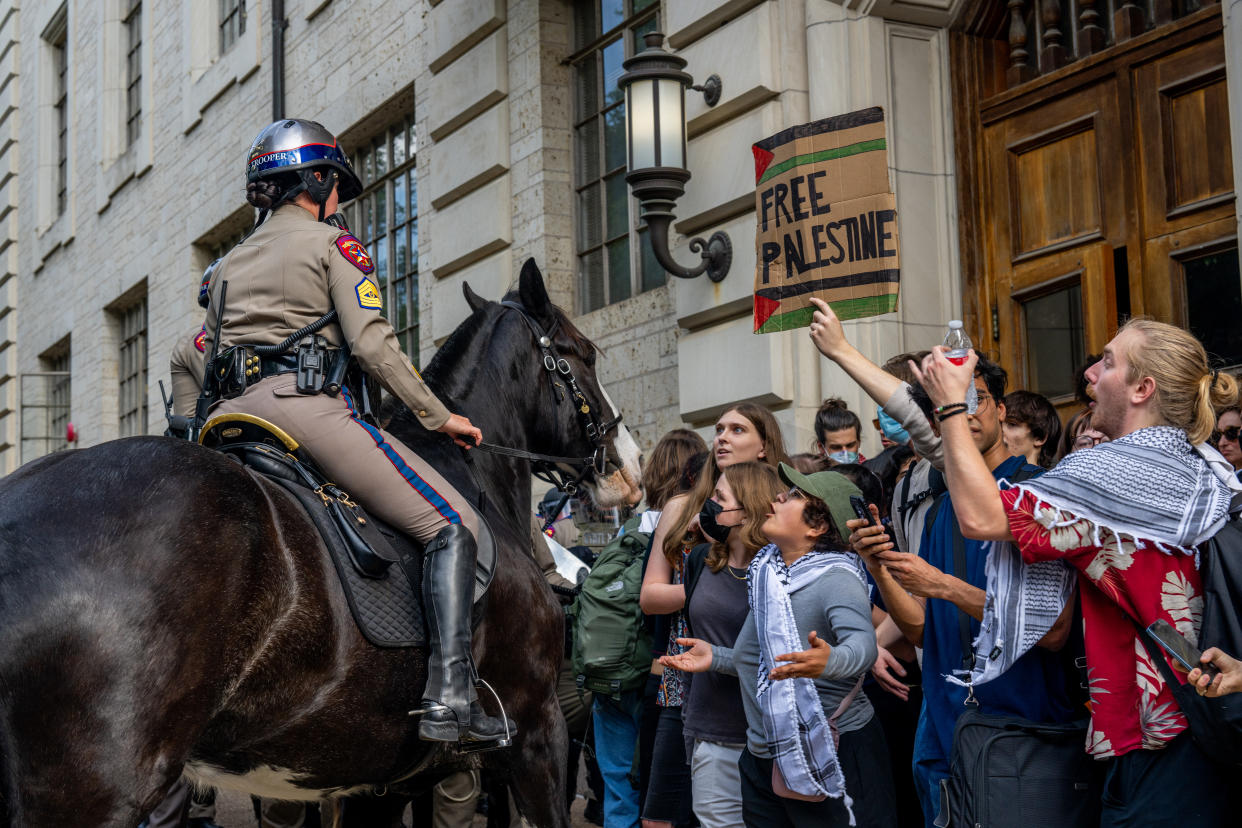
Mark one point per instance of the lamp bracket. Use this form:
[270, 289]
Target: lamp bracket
[711, 89]
[716, 252]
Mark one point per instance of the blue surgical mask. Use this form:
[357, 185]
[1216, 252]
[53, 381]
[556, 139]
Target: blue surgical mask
[892, 429]
[844, 456]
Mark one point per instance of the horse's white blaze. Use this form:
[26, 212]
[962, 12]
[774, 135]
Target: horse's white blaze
[266, 781]
[622, 486]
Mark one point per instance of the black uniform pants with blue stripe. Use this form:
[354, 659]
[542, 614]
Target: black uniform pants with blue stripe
[376, 469]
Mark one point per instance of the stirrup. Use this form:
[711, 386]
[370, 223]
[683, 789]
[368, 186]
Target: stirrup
[468, 745]
[507, 741]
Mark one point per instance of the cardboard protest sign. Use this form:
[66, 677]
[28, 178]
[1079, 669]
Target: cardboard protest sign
[827, 222]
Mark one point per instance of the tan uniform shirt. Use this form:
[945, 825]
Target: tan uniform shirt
[293, 270]
[186, 365]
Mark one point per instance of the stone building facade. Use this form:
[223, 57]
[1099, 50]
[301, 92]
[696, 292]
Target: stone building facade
[476, 124]
[683, 351]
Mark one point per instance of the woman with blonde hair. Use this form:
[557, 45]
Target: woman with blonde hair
[744, 433]
[713, 718]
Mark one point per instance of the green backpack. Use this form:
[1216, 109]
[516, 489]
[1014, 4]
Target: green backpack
[611, 646]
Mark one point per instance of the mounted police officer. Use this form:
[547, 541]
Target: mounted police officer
[292, 270]
[185, 365]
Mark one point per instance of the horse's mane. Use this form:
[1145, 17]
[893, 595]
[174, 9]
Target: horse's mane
[457, 341]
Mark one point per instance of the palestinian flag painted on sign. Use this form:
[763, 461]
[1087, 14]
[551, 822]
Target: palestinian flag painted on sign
[827, 222]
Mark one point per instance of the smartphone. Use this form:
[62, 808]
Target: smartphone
[861, 510]
[1176, 645]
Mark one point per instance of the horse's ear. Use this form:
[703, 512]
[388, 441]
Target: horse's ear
[474, 300]
[533, 293]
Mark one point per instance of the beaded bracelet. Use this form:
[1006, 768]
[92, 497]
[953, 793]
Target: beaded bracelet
[942, 409]
[959, 409]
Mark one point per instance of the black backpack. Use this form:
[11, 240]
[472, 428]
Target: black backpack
[1215, 724]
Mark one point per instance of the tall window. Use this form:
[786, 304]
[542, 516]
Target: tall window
[133, 72]
[133, 365]
[385, 220]
[60, 78]
[614, 258]
[1213, 303]
[1055, 340]
[232, 22]
[60, 392]
[45, 397]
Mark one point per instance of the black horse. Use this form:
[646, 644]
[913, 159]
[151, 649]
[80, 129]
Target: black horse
[163, 610]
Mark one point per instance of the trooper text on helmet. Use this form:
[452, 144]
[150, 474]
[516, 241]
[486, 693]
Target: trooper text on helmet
[303, 157]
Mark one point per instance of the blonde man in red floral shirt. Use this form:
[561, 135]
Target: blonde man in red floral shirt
[1126, 515]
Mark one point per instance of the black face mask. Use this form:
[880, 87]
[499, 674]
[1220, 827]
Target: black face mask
[707, 521]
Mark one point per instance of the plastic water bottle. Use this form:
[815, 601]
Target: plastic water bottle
[957, 346]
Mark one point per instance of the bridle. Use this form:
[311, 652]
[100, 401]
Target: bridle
[562, 379]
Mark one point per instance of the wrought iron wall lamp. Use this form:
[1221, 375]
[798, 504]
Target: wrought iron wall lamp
[655, 140]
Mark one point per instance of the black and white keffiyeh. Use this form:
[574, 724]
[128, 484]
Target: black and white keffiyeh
[1150, 485]
[794, 723]
[1023, 602]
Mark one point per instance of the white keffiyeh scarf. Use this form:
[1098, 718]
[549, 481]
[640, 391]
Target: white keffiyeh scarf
[1150, 485]
[794, 723]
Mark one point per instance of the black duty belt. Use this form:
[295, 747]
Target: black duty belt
[283, 364]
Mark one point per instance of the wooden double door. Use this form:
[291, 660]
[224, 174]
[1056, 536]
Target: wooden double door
[1100, 189]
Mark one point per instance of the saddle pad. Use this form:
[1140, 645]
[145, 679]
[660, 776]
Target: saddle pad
[388, 610]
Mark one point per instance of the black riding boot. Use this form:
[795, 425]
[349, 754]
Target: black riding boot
[452, 710]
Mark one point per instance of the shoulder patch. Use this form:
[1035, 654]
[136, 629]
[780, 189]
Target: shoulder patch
[368, 295]
[355, 253]
[200, 341]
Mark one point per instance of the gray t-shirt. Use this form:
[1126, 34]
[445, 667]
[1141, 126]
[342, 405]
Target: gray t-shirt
[908, 520]
[713, 709]
[838, 608]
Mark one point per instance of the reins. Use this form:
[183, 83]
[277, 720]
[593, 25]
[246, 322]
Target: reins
[521, 454]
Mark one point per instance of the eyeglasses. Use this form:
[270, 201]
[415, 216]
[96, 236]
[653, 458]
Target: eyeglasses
[795, 492]
[1230, 434]
[984, 397]
[1088, 440]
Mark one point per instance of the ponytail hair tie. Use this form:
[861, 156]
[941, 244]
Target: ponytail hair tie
[1215, 375]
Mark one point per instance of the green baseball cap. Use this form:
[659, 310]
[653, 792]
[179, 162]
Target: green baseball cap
[831, 487]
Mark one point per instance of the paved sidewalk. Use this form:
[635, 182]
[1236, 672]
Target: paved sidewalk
[233, 810]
